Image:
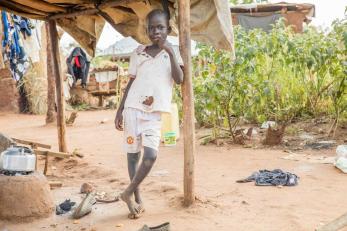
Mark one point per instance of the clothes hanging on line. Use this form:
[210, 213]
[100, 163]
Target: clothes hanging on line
[2, 63]
[32, 44]
[23, 24]
[13, 50]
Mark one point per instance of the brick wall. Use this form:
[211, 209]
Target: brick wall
[9, 96]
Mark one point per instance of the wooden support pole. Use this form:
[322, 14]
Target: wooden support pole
[101, 103]
[51, 115]
[188, 103]
[46, 165]
[34, 146]
[53, 34]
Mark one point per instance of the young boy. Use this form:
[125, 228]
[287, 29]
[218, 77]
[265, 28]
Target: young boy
[153, 69]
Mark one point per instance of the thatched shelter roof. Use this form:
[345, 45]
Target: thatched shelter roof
[84, 19]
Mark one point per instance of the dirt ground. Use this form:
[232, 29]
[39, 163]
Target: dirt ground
[222, 204]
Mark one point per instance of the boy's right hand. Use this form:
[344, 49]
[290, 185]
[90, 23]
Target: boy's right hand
[118, 121]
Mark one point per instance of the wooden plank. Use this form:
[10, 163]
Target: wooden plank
[20, 13]
[46, 165]
[42, 5]
[53, 34]
[55, 184]
[72, 2]
[36, 161]
[104, 93]
[335, 225]
[104, 5]
[53, 154]
[73, 14]
[104, 69]
[22, 8]
[33, 144]
[51, 115]
[188, 103]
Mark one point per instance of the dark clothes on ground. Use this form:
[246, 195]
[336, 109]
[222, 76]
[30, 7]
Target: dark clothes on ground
[64, 207]
[275, 177]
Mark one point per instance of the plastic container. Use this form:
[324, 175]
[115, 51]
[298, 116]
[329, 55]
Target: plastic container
[170, 139]
[341, 151]
[341, 163]
[170, 123]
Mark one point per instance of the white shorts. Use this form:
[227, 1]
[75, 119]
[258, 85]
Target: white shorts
[141, 129]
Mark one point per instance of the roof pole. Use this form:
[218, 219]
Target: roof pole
[188, 103]
[51, 116]
[53, 37]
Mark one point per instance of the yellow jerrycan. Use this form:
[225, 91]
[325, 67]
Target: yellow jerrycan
[170, 130]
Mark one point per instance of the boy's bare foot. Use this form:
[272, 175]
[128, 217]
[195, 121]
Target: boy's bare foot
[132, 206]
[140, 208]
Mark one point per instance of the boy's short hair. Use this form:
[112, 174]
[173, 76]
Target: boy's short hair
[156, 12]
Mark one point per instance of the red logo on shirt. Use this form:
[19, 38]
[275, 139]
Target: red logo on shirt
[130, 140]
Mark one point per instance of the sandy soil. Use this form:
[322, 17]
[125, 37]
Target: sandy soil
[222, 204]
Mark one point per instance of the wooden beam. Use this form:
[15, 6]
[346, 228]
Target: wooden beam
[72, 2]
[104, 93]
[73, 14]
[40, 4]
[188, 103]
[22, 8]
[27, 15]
[53, 154]
[51, 115]
[33, 144]
[102, 6]
[113, 3]
[53, 34]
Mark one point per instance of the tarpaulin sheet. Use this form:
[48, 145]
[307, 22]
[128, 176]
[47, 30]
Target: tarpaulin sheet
[210, 19]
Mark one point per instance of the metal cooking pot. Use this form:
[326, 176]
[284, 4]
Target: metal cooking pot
[18, 159]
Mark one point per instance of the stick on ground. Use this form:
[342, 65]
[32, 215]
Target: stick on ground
[335, 225]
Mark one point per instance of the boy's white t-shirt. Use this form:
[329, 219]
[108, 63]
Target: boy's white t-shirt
[153, 78]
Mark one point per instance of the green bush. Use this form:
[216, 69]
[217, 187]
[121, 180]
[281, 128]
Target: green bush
[276, 76]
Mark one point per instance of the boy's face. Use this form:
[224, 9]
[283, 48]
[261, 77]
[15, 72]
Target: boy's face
[158, 29]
